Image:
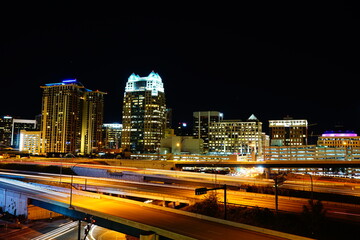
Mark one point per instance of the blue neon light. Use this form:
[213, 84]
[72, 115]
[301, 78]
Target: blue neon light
[69, 81]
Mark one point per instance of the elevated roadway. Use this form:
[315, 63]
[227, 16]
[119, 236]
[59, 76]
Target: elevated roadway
[185, 194]
[133, 217]
[272, 164]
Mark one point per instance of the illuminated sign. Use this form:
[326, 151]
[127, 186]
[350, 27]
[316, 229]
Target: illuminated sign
[339, 135]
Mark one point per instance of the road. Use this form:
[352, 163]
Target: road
[186, 194]
[301, 184]
[154, 218]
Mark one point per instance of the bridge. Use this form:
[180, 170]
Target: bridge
[273, 164]
[130, 217]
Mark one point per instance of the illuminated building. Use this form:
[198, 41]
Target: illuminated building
[10, 129]
[71, 118]
[181, 144]
[288, 132]
[311, 153]
[5, 130]
[92, 121]
[235, 136]
[144, 113]
[339, 139]
[112, 135]
[17, 126]
[201, 124]
[29, 142]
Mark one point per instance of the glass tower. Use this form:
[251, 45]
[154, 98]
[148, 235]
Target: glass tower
[144, 113]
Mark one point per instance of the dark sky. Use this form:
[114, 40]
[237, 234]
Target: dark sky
[267, 60]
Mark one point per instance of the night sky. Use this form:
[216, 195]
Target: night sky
[271, 61]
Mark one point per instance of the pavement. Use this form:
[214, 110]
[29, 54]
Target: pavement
[25, 231]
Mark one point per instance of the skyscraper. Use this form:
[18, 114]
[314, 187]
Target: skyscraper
[202, 121]
[144, 113]
[70, 114]
[92, 120]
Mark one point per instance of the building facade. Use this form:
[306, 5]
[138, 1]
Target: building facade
[311, 153]
[144, 113]
[181, 144]
[69, 116]
[30, 142]
[17, 126]
[339, 139]
[5, 130]
[237, 137]
[288, 132]
[10, 129]
[112, 135]
[92, 121]
[201, 123]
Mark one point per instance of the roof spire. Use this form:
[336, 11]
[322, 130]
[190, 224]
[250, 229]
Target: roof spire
[253, 118]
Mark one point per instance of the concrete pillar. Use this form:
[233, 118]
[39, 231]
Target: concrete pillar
[13, 202]
[148, 235]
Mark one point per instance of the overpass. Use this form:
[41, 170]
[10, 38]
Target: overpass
[131, 217]
[273, 164]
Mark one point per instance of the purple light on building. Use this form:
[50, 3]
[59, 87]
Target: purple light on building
[339, 135]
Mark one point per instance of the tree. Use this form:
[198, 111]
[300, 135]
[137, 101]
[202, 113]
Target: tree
[313, 216]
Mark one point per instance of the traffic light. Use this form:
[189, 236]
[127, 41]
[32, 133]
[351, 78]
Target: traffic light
[200, 191]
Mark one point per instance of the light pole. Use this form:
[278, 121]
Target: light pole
[200, 191]
[71, 186]
[61, 165]
[312, 187]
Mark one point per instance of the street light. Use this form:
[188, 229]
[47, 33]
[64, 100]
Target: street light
[200, 191]
[71, 185]
[312, 187]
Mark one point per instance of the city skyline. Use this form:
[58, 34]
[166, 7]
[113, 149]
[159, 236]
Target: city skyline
[207, 63]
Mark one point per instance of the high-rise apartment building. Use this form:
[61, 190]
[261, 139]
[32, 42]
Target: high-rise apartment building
[71, 118]
[92, 120]
[237, 137]
[201, 123]
[144, 113]
[288, 132]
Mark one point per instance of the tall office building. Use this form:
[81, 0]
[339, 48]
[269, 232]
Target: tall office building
[144, 113]
[288, 132]
[201, 123]
[10, 129]
[5, 130]
[71, 118]
[235, 136]
[112, 135]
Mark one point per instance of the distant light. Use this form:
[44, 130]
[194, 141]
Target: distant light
[339, 135]
[184, 124]
[69, 81]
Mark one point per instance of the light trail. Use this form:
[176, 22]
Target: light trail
[57, 232]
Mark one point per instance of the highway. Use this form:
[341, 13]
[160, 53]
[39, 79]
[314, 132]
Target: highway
[186, 194]
[153, 218]
[325, 186]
